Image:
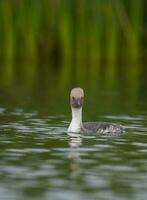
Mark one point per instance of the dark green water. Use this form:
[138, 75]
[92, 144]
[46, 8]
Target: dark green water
[38, 160]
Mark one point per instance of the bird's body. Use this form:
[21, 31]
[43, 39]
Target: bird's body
[102, 129]
[89, 128]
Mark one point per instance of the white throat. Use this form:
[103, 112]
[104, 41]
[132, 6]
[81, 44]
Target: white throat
[76, 123]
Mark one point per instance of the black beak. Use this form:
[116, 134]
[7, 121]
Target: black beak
[76, 103]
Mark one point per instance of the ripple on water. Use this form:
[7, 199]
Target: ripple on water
[127, 117]
[36, 151]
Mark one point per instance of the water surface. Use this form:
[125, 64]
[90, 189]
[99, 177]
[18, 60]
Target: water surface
[38, 160]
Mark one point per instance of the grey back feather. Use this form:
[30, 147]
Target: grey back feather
[102, 128]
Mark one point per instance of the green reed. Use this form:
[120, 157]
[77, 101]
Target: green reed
[86, 38]
[75, 25]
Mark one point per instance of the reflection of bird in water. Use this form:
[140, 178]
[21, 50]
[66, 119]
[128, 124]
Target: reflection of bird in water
[88, 128]
[75, 141]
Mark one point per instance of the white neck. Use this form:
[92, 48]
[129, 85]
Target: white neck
[76, 123]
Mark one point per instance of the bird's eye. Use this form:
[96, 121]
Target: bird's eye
[73, 98]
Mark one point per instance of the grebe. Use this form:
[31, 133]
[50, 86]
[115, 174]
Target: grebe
[88, 128]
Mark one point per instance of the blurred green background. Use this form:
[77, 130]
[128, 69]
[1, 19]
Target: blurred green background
[95, 44]
[48, 47]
